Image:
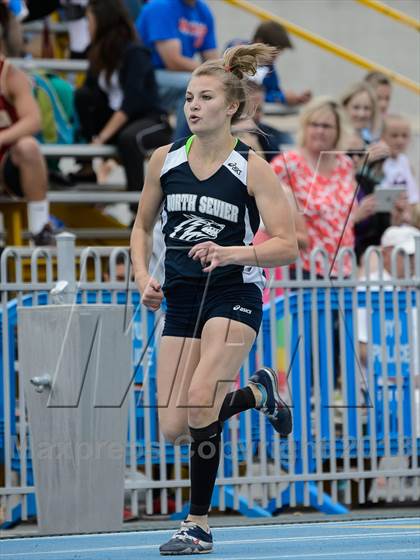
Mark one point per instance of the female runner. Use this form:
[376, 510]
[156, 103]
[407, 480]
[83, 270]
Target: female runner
[211, 191]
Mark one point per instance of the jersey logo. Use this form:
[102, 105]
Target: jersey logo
[196, 229]
[234, 167]
[243, 309]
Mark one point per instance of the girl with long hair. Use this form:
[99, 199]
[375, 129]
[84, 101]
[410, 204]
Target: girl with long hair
[211, 191]
[119, 103]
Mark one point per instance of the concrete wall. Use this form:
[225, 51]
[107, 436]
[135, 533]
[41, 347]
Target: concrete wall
[350, 25]
[345, 22]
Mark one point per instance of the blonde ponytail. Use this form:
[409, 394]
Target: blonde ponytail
[234, 69]
[243, 60]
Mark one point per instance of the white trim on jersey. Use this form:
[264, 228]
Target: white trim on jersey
[249, 234]
[163, 220]
[251, 274]
[238, 166]
[173, 159]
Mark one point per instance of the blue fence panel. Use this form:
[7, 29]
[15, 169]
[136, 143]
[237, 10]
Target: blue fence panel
[301, 305]
[386, 346]
[27, 301]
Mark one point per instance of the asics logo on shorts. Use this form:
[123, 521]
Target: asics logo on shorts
[196, 229]
[243, 309]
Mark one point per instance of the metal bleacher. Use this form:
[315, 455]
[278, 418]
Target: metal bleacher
[78, 201]
[82, 200]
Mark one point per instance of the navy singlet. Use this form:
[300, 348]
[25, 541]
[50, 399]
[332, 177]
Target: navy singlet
[217, 209]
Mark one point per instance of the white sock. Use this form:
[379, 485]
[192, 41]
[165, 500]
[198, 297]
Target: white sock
[38, 215]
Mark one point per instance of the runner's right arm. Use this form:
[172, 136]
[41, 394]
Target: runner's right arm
[147, 214]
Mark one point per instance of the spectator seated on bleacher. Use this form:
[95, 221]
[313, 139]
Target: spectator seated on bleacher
[368, 154]
[361, 106]
[261, 137]
[23, 172]
[271, 139]
[397, 170]
[322, 181]
[382, 87]
[275, 35]
[370, 151]
[367, 174]
[175, 31]
[119, 102]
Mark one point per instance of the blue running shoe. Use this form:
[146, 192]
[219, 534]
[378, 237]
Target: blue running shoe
[189, 539]
[276, 410]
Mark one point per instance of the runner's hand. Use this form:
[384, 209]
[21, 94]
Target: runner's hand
[151, 294]
[209, 254]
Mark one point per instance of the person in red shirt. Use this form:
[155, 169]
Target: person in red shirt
[23, 172]
[321, 178]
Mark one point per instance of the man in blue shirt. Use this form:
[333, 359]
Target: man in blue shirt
[175, 31]
[273, 34]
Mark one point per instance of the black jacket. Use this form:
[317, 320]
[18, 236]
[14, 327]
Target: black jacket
[38, 10]
[138, 84]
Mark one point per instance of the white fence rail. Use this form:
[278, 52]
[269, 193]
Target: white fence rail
[356, 430]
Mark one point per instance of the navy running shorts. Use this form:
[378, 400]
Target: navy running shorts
[189, 307]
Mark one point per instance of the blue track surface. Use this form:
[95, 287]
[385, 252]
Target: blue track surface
[393, 539]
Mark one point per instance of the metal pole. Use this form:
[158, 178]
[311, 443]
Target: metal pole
[65, 290]
[414, 411]
[391, 12]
